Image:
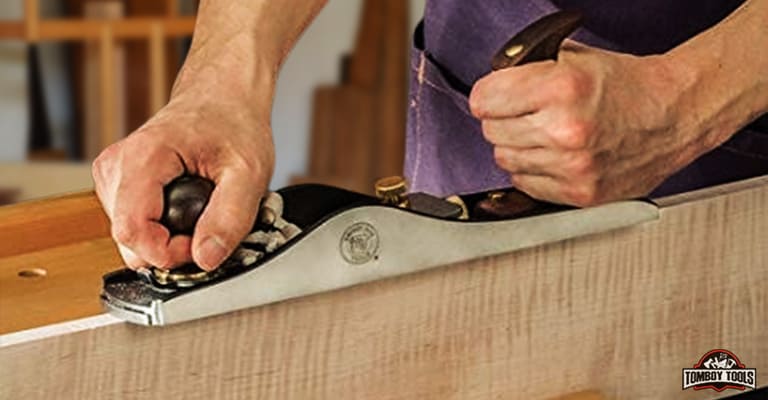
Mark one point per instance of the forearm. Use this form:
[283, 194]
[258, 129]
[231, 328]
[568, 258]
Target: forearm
[723, 75]
[238, 46]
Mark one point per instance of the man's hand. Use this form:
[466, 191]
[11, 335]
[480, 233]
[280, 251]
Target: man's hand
[593, 127]
[217, 125]
[598, 126]
[227, 143]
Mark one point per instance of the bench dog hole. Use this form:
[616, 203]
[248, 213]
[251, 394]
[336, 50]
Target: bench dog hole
[33, 273]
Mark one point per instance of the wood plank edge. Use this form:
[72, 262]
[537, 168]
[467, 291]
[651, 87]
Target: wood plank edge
[712, 191]
[63, 328]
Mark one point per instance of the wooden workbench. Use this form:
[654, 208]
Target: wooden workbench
[621, 313]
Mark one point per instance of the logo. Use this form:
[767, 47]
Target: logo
[719, 370]
[359, 243]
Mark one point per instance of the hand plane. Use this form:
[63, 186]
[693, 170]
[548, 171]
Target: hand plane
[313, 238]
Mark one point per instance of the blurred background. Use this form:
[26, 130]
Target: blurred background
[77, 75]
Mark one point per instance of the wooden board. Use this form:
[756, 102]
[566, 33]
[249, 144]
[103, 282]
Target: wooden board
[66, 290]
[67, 240]
[621, 312]
[41, 225]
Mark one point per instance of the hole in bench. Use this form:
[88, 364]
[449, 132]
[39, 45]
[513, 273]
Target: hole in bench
[33, 273]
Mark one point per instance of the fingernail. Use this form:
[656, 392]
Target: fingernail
[211, 253]
[129, 257]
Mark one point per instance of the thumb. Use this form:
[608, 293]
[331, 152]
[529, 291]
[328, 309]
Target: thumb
[226, 220]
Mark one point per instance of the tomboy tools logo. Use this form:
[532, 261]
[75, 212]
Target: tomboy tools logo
[719, 370]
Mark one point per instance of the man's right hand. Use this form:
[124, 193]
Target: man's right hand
[223, 139]
[217, 125]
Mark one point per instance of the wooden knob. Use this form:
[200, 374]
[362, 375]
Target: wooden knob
[184, 201]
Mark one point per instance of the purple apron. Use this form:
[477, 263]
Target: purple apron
[446, 152]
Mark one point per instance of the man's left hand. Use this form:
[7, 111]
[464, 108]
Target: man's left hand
[593, 127]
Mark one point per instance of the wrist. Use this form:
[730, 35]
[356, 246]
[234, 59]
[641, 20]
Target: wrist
[720, 77]
[224, 82]
[229, 68]
[699, 107]
[220, 98]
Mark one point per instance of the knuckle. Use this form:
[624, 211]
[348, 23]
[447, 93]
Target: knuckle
[247, 169]
[501, 157]
[97, 170]
[101, 162]
[481, 91]
[519, 182]
[574, 134]
[498, 156]
[582, 164]
[125, 231]
[583, 195]
[147, 153]
[130, 259]
[97, 165]
[254, 177]
[567, 88]
[231, 227]
[164, 262]
[571, 85]
[488, 129]
[476, 105]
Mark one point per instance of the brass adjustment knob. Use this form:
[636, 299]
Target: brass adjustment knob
[392, 190]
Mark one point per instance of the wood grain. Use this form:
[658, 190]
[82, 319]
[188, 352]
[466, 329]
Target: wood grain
[621, 312]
